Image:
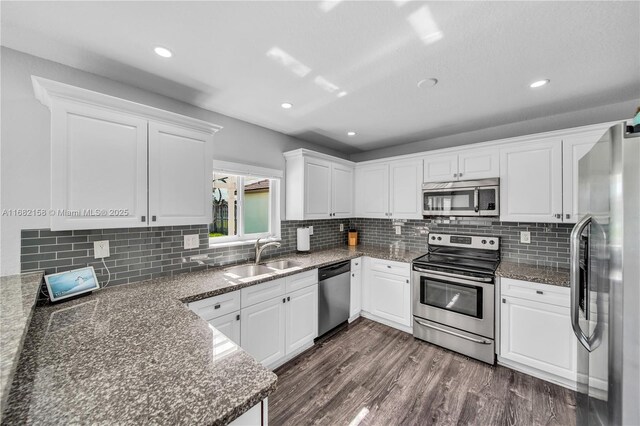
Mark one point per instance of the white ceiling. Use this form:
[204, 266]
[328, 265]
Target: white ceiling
[376, 52]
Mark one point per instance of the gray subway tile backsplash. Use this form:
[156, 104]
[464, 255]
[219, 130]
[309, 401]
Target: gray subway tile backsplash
[138, 254]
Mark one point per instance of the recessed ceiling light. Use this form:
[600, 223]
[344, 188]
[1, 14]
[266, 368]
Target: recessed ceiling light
[163, 51]
[351, 133]
[427, 82]
[539, 83]
[286, 105]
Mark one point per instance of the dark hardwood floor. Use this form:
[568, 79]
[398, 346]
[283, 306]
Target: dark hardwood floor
[381, 376]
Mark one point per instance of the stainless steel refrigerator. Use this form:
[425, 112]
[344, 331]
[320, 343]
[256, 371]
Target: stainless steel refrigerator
[605, 281]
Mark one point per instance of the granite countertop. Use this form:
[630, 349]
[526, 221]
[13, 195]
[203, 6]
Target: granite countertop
[136, 354]
[18, 295]
[536, 274]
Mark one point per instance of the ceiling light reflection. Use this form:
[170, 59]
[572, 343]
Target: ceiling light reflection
[425, 26]
[288, 61]
[328, 5]
[325, 84]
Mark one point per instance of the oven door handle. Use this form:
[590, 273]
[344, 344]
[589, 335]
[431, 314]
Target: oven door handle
[448, 275]
[453, 333]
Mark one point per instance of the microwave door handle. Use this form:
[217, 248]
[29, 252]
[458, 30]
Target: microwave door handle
[574, 250]
[476, 200]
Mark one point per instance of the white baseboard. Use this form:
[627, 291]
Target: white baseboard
[384, 321]
[569, 384]
[354, 317]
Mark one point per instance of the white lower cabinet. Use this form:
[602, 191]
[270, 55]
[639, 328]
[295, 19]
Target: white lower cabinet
[355, 303]
[263, 330]
[386, 293]
[535, 331]
[229, 325]
[301, 318]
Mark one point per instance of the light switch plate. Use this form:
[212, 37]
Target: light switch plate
[398, 229]
[525, 237]
[101, 249]
[311, 230]
[341, 227]
[191, 241]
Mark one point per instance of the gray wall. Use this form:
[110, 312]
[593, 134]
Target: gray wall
[25, 150]
[447, 138]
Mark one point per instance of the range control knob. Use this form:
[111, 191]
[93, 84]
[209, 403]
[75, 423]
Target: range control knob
[484, 241]
[492, 242]
[433, 238]
[439, 238]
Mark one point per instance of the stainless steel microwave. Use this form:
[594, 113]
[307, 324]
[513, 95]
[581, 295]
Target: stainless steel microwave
[461, 198]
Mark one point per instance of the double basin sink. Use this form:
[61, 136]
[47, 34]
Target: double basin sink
[248, 271]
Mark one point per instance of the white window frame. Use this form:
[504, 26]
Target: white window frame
[242, 170]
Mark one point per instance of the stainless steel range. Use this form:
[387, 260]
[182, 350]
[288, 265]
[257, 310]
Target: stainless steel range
[453, 294]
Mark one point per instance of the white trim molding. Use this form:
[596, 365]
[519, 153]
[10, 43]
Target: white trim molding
[247, 169]
[47, 91]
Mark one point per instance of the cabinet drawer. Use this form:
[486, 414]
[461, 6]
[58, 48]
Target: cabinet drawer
[302, 280]
[543, 293]
[356, 264]
[261, 292]
[214, 307]
[390, 267]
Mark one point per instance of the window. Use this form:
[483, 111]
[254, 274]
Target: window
[245, 204]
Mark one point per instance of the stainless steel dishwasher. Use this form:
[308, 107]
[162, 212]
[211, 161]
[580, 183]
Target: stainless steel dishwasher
[334, 292]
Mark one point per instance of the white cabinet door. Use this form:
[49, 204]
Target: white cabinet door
[98, 168]
[180, 174]
[478, 164]
[390, 297]
[302, 318]
[372, 191]
[355, 305]
[229, 325]
[317, 189]
[531, 182]
[573, 149]
[441, 168]
[263, 330]
[342, 191]
[538, 335]
[406, 189]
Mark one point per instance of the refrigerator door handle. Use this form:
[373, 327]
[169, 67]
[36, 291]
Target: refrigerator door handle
[575, 280]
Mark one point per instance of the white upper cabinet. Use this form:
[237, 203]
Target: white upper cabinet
[99, 165]
[574, 147]
[468, 164]
[102, 150]
[342, 190]
[372, 191]
[531, 181]
[317, 189]
[180, 173]
[406, 189]
[441, 168]
[478, 163]
[389, 190]
[318, 186]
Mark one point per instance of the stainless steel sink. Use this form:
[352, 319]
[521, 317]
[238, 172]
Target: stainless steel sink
[246, 271]
[282, 264]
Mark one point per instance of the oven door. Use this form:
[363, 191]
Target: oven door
[462, 303]
[450, 202]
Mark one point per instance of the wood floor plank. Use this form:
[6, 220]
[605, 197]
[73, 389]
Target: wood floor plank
[382, 376]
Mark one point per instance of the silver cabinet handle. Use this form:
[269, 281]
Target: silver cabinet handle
[568, 216]
[558, 216]
[453, 333]
[455, 175]
[539, 292]
[459, 174]
[217, 306]
[574, 258]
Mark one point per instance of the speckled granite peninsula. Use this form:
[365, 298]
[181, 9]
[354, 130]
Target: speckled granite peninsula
[18, 295]
[536, 274]
[136, 354]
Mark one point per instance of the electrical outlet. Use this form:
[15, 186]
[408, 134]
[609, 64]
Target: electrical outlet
[101, 249]
[398, 229]
[341, 227]
[525, 237]
[311, 230]
[191, 241]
